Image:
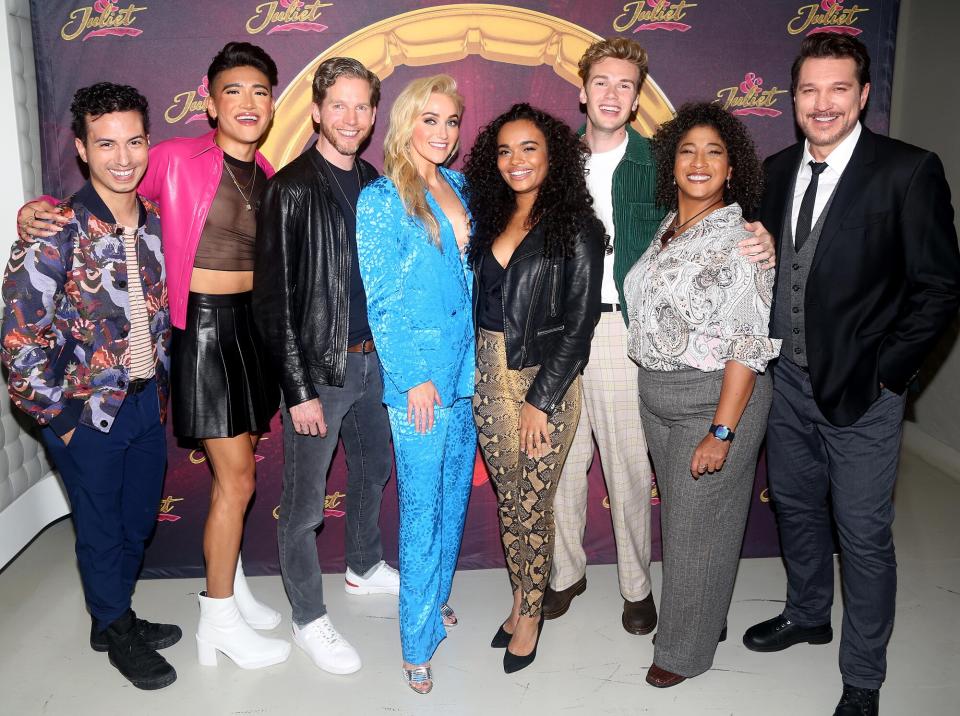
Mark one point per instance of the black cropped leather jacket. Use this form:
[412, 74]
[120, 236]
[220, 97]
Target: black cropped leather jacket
[551, 307]
[301, 284]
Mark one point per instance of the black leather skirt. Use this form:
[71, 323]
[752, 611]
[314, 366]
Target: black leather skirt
[221, 384]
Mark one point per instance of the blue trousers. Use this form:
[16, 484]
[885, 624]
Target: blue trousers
[114, 482]
[434, 479]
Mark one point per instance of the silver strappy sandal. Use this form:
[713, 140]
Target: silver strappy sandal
[449, 616]
[419, 675]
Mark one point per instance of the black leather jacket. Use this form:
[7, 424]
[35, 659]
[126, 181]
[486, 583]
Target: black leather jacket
[301, 279]
[550, 307]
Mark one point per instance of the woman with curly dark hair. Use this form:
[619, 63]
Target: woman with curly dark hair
[537, 255]
[699, 314]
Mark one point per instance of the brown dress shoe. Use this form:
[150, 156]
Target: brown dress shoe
[640, 617]
[556, 604]
[661, 678]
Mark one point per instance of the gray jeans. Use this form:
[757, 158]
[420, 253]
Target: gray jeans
[354, 412]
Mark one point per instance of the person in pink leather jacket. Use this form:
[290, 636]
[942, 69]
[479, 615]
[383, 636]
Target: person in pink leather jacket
[223, 395]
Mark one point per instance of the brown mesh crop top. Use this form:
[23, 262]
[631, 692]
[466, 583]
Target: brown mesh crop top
[228, 236]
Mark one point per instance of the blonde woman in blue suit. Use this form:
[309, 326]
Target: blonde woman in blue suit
[412, 229]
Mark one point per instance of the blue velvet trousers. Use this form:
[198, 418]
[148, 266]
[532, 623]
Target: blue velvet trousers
[434, 479]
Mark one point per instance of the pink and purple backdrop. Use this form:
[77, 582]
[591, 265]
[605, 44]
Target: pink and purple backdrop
[736, 52]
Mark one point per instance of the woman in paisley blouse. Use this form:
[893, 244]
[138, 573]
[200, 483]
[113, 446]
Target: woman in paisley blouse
[699, 313]
[412, 229]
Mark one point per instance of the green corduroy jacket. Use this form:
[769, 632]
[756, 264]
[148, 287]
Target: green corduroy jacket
[636, 217]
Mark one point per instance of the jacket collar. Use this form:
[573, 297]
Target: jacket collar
[638, 146]
[205, 142]
[90, 199]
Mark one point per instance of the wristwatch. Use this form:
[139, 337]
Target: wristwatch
[722, 432]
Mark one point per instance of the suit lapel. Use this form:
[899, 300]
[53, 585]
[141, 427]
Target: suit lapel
[849, 188]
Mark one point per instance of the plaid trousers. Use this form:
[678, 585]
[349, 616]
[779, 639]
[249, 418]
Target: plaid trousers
[611, 414]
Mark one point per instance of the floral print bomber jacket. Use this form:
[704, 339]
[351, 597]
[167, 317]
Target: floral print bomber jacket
[66, 316]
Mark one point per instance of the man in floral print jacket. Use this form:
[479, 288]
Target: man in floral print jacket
[86, 335]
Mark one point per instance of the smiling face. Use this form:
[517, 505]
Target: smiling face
[436, 131]
[827, 102]
[345, 117]
[701, 165]
[522, 156]
[611, 94]
[241, 102]
[115, 151]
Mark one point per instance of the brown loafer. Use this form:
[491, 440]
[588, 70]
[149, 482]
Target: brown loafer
[556, 604]
[661, 678]
[640, 617]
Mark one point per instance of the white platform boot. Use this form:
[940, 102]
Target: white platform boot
[223, 629]
[254, 612]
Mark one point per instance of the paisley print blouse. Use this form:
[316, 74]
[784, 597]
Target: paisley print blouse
[698, 303]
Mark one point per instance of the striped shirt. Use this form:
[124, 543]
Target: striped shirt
[143, 356]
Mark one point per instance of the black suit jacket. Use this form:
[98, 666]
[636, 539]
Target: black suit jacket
[885, 279]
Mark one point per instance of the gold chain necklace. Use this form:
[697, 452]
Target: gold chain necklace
[249, 187]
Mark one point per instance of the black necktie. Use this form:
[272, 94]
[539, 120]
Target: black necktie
[805, 217]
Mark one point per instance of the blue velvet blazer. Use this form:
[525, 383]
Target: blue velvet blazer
[418, 296]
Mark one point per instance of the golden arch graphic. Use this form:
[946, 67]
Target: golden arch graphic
[444, 34]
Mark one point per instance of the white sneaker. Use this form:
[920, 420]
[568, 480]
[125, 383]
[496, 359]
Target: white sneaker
[328, 650]
[383, 579]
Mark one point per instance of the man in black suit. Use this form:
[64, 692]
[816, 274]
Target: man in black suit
[869, 274]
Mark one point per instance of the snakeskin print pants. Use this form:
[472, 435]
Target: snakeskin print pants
[525, 487]
[434, 479]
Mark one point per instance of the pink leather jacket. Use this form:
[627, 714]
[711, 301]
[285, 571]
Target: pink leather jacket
[182, 177]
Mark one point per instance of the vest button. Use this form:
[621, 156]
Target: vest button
[796, 350]
[796, 288]
[796, 267]
[796, 309]
[796, 330]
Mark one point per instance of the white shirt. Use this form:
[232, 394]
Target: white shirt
[600, 168]
[836, 161]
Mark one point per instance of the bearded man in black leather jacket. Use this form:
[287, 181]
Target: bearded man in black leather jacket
[310, 309]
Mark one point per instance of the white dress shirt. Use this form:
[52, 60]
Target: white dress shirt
[836, 161]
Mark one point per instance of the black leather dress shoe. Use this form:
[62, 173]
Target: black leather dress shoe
[639, 617]
[155, 636]
[556, 604]
[858, 702]
[779, 633]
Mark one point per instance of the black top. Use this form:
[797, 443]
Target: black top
[490, 314]
[345, 187]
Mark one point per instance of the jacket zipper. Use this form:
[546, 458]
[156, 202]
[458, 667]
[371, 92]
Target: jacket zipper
[553, 293]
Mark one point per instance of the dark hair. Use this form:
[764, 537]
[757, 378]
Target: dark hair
[103, 98]
[832, 44]
[746, 182]
[329, 71]
[242, 54]
[563, 204]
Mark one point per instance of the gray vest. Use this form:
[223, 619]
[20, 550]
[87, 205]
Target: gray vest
[788, 318]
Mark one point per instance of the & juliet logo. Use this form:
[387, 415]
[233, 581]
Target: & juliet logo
[102, 18]
[286, 16]
[749, 97]
[190, 105]
[826, 16]
[653, 15]
[166, 509]
[331, 506]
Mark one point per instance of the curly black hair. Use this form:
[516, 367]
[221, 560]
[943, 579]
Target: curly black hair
[563, 204]
[242, 54]
[746, 182]
[105, 98]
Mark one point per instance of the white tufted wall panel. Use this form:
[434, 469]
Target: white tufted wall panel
[30, 494]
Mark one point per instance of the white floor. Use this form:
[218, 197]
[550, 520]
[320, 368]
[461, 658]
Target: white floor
[587, 664]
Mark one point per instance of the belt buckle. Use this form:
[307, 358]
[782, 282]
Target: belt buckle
[137, 385]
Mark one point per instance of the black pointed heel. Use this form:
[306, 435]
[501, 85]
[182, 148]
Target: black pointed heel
[501, 639]
[512, 662]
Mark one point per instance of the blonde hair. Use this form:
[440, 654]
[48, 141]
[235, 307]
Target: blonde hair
[619, 48]
[398, 164]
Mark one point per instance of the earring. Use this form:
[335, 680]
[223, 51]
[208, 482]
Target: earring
[728, 182]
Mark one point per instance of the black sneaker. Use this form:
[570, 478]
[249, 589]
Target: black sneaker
[156, 636]
[858, 702]
[128, 652]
